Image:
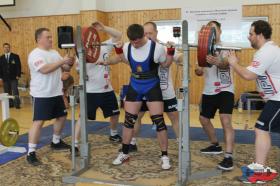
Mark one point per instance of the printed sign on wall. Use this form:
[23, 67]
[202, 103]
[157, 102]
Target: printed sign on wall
[229, 17]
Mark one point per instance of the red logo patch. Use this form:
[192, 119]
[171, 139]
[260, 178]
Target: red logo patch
[37, 63]
[255, 64]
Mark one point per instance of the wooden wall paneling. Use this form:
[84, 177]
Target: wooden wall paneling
[22, 39]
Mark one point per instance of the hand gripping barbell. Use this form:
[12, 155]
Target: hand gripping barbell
[206, 44]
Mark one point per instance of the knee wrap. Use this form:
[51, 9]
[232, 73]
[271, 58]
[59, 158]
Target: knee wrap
[130, 120]
[159, 122]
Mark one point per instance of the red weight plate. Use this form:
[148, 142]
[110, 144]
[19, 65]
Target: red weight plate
[201, 53]
[206, 40]
[91, 42]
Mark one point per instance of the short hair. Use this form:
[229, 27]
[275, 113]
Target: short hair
[6, 44]
[151, 23]
[39, 31]
[216, 23]
[135, 31]
[262, 27]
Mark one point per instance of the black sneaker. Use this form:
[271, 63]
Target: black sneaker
[132, 148]
[117, 138]
[32, 159]
[60, 146]
[77, 151]
[226, 164]
[212, 149]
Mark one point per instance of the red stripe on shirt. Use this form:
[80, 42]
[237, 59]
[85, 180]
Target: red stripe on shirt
[271, 82]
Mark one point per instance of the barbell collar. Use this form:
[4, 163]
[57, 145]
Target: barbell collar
[218, 47]
[13, 132]
[69, 45]
[104, 44]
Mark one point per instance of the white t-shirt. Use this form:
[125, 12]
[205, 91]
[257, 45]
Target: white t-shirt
[99, 75]
[44, 85]
[218, 80]
[166, 83]
[137, 54]
[266, 64]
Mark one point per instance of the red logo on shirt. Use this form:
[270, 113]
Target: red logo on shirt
[255, 64]
[38, 63]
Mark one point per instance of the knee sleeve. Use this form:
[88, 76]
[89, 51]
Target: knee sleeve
[159, 122]
[130, 120]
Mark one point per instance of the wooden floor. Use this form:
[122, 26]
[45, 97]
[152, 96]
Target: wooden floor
[243, 120]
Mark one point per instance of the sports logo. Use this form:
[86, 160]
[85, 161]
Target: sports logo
[139, 68]
[255, 64]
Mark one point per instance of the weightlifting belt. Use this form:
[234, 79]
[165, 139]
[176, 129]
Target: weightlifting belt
[145, 75]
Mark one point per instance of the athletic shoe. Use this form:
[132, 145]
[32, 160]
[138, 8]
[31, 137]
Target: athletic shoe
[121, 158]
[257, 173]
[32, 159]
[212, 149]
[226, 164]
[132, 148]
[165, 164]
[60, 146]
[117, 138]
[77, 151]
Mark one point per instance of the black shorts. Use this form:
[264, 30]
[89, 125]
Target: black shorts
[170, 105]
[107, 101]
[48, 108]
[269, 119]
[224, 101]
[154, 94]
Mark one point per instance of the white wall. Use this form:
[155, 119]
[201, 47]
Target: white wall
[27, 8]
[122, 5]
[89, 4]
[115, 5]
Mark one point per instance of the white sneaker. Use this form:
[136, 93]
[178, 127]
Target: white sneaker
[260, 168]
[165, 165]
[121, 158]
[257, 173]
[256, 167]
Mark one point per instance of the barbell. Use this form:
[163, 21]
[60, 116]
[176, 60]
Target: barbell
[9, 132]
[206, 44]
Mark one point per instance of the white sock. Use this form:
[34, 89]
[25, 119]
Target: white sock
[76, 143]
[31, 147]
[56, 138]
[133, 141]
[228, 155]
[113, 132]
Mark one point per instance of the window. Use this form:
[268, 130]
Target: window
[229, 36]
[7, 2]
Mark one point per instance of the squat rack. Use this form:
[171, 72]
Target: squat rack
[184, 155]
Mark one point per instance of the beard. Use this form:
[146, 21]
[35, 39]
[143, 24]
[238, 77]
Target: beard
[254, 45]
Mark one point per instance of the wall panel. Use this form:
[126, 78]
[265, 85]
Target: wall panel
[22, 39]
